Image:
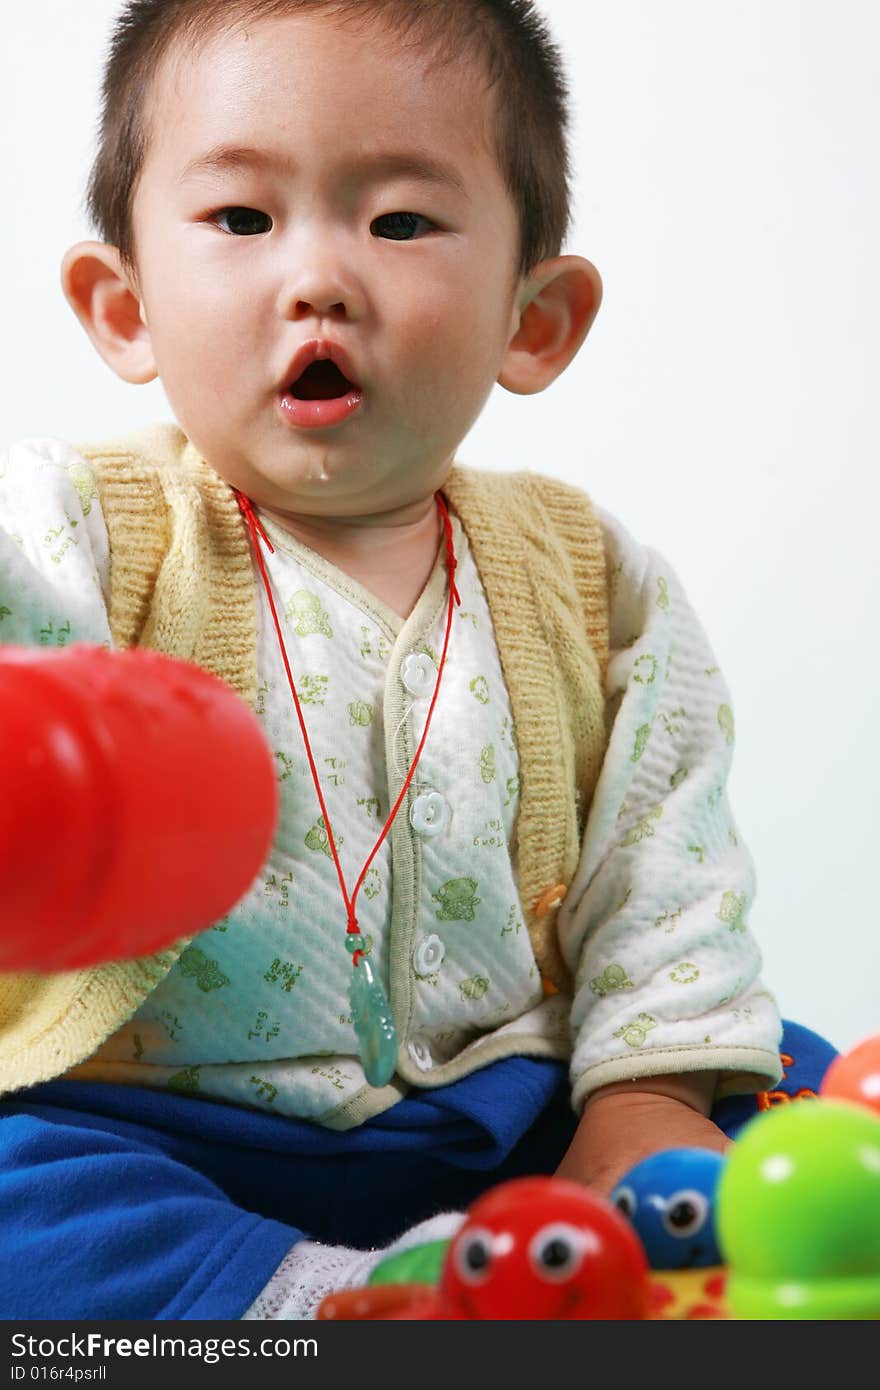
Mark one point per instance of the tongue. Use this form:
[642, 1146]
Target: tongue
[321, 381]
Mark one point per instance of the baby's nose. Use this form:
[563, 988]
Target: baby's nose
[322, 286]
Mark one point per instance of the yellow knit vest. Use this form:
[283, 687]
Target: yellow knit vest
[183, 582]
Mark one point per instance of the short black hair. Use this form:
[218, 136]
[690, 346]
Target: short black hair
[509, 38]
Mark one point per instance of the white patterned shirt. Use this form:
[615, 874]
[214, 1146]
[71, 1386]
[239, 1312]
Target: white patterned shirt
[654, 925]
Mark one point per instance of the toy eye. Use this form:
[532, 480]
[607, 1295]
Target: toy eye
[625, 1200]
[473, 1256]
[685, 1213]
[557, 1251]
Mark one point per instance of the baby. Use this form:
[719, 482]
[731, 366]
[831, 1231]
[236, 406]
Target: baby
[329, 227]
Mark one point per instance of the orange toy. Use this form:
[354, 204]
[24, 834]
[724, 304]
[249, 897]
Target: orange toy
[855, 1076]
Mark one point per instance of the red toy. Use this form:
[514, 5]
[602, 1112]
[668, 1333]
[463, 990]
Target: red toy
[139, 803]
[535, 1249]
[855, 1076]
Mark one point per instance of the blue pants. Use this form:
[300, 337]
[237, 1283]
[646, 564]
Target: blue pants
[118, 1202]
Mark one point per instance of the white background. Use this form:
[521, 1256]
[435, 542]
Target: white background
[724, 405]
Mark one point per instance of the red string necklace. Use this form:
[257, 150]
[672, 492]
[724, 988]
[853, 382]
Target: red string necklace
[371, 1012]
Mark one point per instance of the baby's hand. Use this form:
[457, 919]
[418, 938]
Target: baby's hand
[624, 1123]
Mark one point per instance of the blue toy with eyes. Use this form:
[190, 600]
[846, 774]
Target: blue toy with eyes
[670, 1200]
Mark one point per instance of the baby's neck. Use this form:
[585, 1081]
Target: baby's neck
[390, 555]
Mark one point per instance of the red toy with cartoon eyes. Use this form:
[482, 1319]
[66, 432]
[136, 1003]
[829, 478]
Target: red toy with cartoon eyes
[535, 1249]
[544, 1249]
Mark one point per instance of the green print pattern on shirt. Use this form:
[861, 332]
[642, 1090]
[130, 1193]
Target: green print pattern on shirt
[643, 829]
[359, 712]
[645, 670]
[725, 722]
[678, 777]
[458, 899]
[643, 733]
[672, 721]
[260, 1029]
[479, 688]
[307, 616]
[287, 764]
[318, 840]
[61, 543]
[335, 1075]
[430, 652]
[265, 1090]
[474, 988]
[83, 480]
[514, 922]
[185, 1082]
[685, 973]
[381, 651]
[313, 690]
[372, 887]
[171, 1023]
[206, 973]
[613, 977]
[487, 763]
[283, 972]
[279, 886]
[494, 837]
[50, 637]
[732, 911]
[5, 612]
[507, 735]
[668, 921]
[662, 593]
[635, 1034]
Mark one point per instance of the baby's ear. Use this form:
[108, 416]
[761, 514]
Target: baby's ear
[105, 300]
[552, 316]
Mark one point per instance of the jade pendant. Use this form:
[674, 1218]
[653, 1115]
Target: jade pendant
[373, 1024]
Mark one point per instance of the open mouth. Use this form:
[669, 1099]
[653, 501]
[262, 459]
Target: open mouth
[322, 381]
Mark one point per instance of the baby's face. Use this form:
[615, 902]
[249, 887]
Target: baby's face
[423, 304]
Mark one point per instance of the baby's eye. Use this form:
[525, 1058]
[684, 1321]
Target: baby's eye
[400, 223]
[241, 221]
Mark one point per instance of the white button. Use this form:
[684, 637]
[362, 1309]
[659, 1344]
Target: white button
[421, 1054]
[418, 673]
[428, 955]
[430, 813]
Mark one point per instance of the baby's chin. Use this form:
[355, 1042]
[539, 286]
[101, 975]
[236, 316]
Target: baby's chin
[315, 482]
[324, 482]
[324, 489]
[318, 470]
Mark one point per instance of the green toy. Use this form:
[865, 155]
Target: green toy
[799, 1214]
[422, 1264]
